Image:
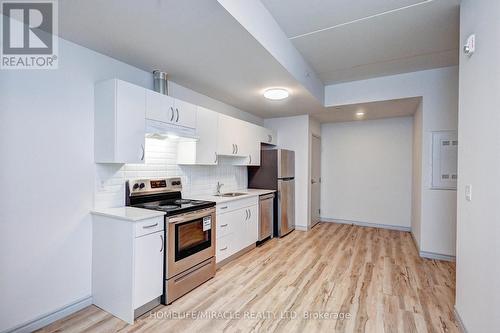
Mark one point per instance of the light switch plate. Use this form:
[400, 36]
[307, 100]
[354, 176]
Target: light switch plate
[468, 192]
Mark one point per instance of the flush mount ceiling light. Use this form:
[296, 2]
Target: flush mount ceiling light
[276, 94]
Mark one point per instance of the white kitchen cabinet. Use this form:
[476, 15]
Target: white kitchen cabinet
[250, 135]
[148, 268]
[170, 110]
[159, 107]
[127, 265]
[237, 226]
[230, 132]
[203, 151]
[119, 122]
[185, 114]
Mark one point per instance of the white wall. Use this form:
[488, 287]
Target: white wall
[367, 171]
[478, 249]
[293, 134]
[46, 144]
[439, 91]
[314, 130]
[416, 207]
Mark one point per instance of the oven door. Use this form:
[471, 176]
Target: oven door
[191, 240]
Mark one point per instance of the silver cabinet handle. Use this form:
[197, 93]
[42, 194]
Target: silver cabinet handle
[143, 152]
[223, 225]
[215, 161]
[250, 156]
[236, 149]
[225, 207]
[177, 119]
[224, 248]
[249, 214]
[246, 214]
[150, 226]
[269, 138]
[161, 237]
[172, 113]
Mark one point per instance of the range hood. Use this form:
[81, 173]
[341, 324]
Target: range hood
[159, 129]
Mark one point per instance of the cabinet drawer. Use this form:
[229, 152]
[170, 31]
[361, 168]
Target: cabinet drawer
[236, 204]
[224, 226]
[149, 226]
[225, 247]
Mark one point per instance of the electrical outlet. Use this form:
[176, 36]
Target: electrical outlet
[468, 192]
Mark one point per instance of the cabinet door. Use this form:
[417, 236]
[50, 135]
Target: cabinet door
[252, 226]
[227, 135]
[159, 107]
[185, 114]
[130, 122]
[203, 151]
[148, 268]
[250, 144]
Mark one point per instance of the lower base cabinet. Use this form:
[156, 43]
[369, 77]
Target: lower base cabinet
[237, 226]
[127, 265]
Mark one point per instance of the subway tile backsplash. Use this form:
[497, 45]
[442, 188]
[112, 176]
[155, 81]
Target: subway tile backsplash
[161, 161]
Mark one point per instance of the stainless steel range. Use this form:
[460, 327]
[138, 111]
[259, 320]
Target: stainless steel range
[189, 233]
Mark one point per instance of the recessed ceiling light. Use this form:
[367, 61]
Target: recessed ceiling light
[276, 93]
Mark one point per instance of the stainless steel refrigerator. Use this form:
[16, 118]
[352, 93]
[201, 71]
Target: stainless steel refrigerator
[277, 172]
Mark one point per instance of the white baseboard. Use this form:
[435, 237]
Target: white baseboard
[302, 228]
[436, 256]
[366, 224]
[460, 321]
[51, 317]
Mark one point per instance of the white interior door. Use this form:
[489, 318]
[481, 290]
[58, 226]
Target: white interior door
[315, 180]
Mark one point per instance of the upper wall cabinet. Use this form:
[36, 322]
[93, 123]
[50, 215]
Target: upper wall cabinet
[120, 110]
[231, 136]
[203, 151]
[166, 109]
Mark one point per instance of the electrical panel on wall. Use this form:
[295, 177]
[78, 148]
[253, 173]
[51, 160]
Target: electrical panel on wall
[444, 160]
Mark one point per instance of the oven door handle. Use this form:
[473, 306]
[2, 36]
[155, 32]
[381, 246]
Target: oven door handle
[191, 216]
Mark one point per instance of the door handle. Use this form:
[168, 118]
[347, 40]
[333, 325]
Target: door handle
[236, 149]
[172, 113]
[249, 214]
[246, 214]
[150, 226]
[177, 120]
[250, 156]
[161, 237]
[233, 148]
[215, 161]
[143, 152]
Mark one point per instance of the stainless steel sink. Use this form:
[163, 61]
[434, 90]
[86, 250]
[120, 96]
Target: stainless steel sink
[230, 194]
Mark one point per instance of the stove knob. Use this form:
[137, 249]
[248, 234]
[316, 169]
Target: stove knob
[136, 186]
[141, 186]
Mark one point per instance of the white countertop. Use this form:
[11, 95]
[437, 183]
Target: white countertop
[249, 192]
[128, 213]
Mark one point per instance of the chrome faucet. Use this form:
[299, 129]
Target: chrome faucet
[219, 185]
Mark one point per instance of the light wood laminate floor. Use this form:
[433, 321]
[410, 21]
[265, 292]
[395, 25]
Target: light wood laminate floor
[375, 276]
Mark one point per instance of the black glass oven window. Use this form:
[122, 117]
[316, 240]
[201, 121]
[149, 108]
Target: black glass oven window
[190, 238]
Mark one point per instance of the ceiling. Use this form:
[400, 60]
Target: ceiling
[204, 48]
[375, 110]
[371, 38]
[197, 43]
